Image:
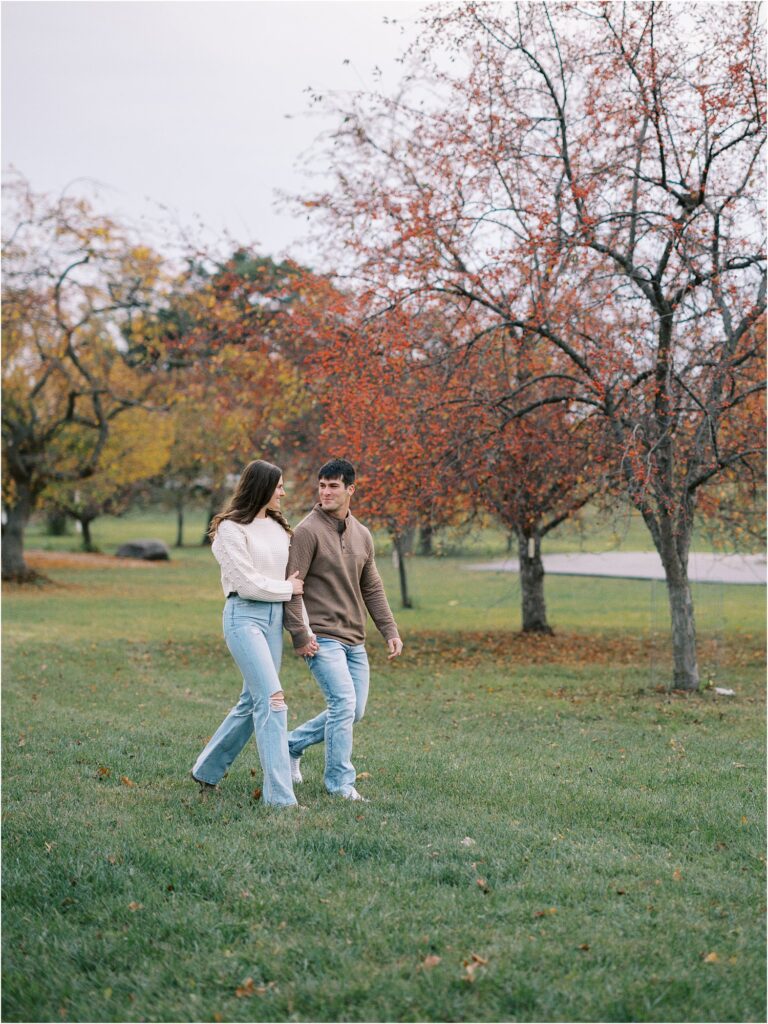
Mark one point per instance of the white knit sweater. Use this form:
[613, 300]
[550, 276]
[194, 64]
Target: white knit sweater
[253, 557]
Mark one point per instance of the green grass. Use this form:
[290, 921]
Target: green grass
[616, 833]
[591, 530]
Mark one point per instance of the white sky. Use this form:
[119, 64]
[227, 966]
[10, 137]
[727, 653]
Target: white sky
[184, 103]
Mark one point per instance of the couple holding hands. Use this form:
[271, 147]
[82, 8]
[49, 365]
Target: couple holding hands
[318, 581]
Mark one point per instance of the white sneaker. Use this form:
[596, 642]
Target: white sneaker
[296, 770]
[354, 795]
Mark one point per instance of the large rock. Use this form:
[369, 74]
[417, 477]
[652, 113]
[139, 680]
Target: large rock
[149, 550]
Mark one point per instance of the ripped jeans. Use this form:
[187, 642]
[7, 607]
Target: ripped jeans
[253, 631]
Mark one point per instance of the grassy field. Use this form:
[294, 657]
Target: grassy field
[548, 837]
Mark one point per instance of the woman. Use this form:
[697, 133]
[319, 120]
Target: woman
[250, 541]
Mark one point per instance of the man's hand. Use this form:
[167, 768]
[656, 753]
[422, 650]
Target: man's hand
[309, 648]
[395, 646]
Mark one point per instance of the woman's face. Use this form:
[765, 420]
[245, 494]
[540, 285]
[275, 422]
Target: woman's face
[274, 502]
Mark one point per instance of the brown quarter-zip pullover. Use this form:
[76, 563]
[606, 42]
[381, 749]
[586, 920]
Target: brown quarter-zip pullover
[335, 558]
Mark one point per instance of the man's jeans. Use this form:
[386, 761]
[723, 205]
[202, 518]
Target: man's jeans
[342, 673]
[254, 634]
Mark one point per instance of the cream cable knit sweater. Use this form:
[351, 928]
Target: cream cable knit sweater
[253, 557]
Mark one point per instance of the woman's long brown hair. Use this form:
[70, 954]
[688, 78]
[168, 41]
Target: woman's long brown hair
[255, 487]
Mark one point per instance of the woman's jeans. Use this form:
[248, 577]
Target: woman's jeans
[253, 631]
[341, 671]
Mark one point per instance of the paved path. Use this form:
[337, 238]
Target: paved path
[644, 565]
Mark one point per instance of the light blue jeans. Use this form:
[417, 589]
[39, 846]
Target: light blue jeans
[253, 631]
[341, 671]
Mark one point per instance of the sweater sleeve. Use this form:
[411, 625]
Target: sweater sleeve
[375, 599]
[231, 552]
[300, 556]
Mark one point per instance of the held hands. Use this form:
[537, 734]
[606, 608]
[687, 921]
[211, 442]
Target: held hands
[309, 649]
[395, 646]
[296, 583]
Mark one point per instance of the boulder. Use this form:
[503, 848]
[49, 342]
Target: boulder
[149, 550]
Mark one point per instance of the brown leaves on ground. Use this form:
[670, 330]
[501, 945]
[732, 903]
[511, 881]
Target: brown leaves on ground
[36, 559]
[430, 961]
[250, 988]
[471, 649]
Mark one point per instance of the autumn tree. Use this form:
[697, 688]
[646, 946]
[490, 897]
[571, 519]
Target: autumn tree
[74, 283]
[590, 177]
[381, 410]
[532, 468]
[238, 364]
[137, 449]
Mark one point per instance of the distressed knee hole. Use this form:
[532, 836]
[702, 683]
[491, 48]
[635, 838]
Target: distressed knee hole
[277, 701]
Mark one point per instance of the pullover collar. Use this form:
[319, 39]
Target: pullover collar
[338, 525]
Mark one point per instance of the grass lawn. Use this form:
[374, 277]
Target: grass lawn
[548, 837]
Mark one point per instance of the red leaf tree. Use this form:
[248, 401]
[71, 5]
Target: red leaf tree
[591, 178]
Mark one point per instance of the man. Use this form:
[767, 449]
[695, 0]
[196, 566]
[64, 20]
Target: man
[333, 554]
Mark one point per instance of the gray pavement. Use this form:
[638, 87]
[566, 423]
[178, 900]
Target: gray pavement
[643, 565]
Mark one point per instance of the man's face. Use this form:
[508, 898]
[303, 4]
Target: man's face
[334, 496]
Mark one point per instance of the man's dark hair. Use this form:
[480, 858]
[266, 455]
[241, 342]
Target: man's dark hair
[337, 469]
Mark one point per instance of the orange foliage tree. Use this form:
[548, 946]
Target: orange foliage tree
[74, 285]
[239, 369]
[431, 425]
[590, 178]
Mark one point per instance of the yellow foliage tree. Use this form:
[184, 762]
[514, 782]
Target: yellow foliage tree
[138, 448]
[74, 284]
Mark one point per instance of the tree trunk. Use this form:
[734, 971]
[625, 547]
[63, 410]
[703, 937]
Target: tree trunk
[212, 510]
[56, 522]
[426, 534]
[674, 556]
[399, 546]
[179, 520]
[17, 516]
[85, 525]
[532, 584]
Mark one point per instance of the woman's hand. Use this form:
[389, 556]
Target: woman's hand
[296, 583]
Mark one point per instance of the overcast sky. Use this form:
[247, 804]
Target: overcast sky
[184, 103]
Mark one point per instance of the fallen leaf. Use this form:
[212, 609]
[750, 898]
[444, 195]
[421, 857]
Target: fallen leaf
[248, 989]
[466, 841]
[256, 794]
[245, 895]
[364, 775]
[111, 858]
[133, 906]
[710, 958]
[544, 913]
[584, 947]
[472, 965]
[126, 781]
[677, 874]
[430, 961]
[103, 771]
[482, 884]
